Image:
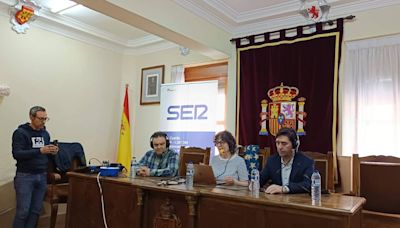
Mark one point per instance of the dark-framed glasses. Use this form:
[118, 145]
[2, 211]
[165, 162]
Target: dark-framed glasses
[43, 119]
[219, 142]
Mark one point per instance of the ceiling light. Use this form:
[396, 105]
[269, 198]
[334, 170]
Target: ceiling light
[184, 50]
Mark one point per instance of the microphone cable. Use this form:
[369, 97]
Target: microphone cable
[96, 160]
[102, 201]
[226, 164]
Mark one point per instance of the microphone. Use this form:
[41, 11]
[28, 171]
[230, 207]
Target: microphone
[222, 151]
[306, 189]
[278, 171]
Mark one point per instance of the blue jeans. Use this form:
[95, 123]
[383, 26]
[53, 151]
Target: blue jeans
[30, 190]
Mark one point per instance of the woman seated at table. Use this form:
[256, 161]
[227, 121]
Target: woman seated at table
[228, 167]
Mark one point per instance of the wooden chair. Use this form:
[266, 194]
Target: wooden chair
[57, 182]
[324, 165]
[263, 157]
[194, 154]
[377, 179]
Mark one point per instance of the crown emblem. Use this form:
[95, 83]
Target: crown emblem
[283, 111]
[282, 93]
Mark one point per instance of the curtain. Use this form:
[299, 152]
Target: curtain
[177, 74]
[371, 99]
[307, 63]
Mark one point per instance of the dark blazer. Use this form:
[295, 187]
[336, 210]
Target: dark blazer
[300, 176]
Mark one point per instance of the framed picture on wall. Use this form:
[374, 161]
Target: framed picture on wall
[152, 77]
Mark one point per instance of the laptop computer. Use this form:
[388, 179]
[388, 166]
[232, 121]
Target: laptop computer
[203, 174]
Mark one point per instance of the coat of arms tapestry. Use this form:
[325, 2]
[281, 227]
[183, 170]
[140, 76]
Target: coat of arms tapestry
[289, 79]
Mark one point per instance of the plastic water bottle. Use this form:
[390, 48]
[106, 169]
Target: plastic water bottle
[134, 167]
[316, 188]
[255, 182]
[189, 175]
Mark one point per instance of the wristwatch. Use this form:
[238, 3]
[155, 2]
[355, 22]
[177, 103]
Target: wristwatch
[285, 189]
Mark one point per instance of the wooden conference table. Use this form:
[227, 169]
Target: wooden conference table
[140, 202]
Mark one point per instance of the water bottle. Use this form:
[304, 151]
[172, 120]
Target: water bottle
[316, 188]
[189, 175]
[134, 168]
[135, 164]
[255, 182]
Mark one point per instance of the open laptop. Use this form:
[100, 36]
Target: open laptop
[203, 174]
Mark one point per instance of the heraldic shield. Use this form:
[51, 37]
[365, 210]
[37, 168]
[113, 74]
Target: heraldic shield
[282, 111]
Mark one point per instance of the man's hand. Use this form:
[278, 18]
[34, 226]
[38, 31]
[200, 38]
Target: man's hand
[143, 171]
[49, 149]
[274, 189]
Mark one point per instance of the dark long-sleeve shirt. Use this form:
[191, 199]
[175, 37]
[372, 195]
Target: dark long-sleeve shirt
[26, 144]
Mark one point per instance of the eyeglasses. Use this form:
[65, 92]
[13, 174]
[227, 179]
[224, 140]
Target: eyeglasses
[43, 119]
[216, 143]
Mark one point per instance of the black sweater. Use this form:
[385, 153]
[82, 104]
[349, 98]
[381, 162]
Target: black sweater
[26, 144]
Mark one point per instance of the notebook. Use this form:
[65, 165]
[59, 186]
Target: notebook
[203, 174]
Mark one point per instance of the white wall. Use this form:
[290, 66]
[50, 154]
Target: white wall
[373, 23]
[146, 118]
[78, 84]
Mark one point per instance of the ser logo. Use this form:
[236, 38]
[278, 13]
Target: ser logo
[187, 112]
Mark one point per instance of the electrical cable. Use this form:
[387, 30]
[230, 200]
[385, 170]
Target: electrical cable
[102, 201]
[96, 160]
[226, 164]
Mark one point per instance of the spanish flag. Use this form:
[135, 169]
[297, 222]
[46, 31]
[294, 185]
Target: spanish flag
[124, 149]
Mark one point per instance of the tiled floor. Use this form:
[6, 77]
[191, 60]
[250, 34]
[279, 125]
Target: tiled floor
[44, 221]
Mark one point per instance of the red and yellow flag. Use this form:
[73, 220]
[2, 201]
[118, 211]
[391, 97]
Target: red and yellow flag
[124, 149]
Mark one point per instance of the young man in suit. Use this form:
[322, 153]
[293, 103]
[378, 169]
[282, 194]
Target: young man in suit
[288, 171]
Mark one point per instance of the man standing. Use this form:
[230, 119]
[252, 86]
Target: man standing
[30, 148]
[160, 161]
[289, 171]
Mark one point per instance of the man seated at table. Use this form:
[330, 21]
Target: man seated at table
[289, 171]
[160, 161]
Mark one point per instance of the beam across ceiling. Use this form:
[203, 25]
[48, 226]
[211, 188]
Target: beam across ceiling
[175, 24]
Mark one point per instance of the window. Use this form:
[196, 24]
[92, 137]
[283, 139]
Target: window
[371, 99]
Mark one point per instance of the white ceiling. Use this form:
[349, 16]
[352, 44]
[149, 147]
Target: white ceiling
[245, 17]
[237, 17]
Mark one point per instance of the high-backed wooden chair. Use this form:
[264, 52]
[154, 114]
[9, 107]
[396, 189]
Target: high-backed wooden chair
[57, 181]
[324, 165]
[263, 157]
[377, 179]
[194, 154]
